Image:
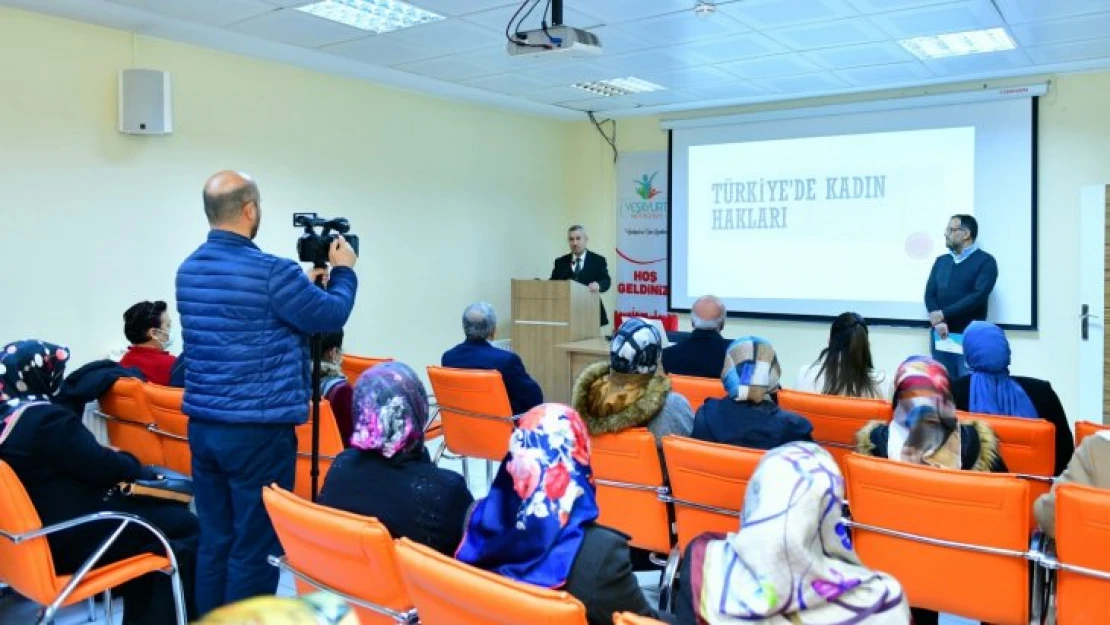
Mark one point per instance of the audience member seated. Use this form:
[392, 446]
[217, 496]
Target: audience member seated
[318, 608]
[67, 474]
[538, 523]
[147, 326]
[792, 560]
[334, 386]
[845, 367]
[387, 473]
[480, 327]
[1090, 466]
[750, 416]
[626, 392]
[990, 389]
[701, 353]
[925, 430]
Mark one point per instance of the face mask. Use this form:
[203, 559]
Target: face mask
[167, 342]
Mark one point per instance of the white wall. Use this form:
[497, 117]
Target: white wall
[93, 220]
[1074, 135]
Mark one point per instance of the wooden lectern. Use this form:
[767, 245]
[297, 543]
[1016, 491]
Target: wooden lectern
[547, 313]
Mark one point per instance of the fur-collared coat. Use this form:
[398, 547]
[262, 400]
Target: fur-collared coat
[978, 445]
[655, 407]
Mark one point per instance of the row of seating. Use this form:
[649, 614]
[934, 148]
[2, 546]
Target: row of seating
[399, 581]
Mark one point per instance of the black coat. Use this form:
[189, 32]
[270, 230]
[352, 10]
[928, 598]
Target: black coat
[744, 424]
[1045, 401]
[90, 382]
[702, 354]
[602, 578]
[594, 269]
[413, 498]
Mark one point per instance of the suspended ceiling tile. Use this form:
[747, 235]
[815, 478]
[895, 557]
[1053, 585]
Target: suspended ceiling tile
[659, 98]
[879, 75]
[804, 83]
[506, 83]
[620, 11]
[723, 91]
[450, 68]
[1062, 31]
[884, 53]
[771, 66]
[746, 45]
[828, 34]
[678, 28]
[640, 62]
[213, 12]
[1017, 11]
[946, 18]
[597, 104]
[1066, 52]
[618, 40]
[689, 77]
[498, 19]
[566, 75]
[289, 3]
[768, 14]
[554, 95]
[882, 6]
[454, 8]
[297, 28]
[381, 50]
[979, 63]
[449, 36]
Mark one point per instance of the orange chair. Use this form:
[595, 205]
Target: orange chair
[475, 412]
[631, 489]
[942, 532]
[27, 566]
[1082, 541]
[129, 422]
[343, 553]
[626, 618]
[1083, 429]
[448, 592]
[331, 445]
[708, 482]
[170, 425]
[1028, 446]
[696, 390]
[835, 419]
[353, 366]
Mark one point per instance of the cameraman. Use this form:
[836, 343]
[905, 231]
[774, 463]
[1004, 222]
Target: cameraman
[245, 318]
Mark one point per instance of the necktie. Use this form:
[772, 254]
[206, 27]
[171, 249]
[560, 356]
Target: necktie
[577, 267]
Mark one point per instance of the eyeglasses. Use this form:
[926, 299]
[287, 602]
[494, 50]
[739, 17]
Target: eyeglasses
[953, 230]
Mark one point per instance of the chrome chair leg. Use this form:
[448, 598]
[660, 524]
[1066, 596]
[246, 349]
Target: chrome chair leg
[489, 474]
[667, 581]
[466, 471]
[109, 612]
[90, 605]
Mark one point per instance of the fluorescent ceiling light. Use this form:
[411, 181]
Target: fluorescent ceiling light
[959, 44]
[378, 16]
[618, 86]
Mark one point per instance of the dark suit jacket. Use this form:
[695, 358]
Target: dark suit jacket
[1044, 400]
[524, 392]
[594, 269]
[602, 578]
[702, 354]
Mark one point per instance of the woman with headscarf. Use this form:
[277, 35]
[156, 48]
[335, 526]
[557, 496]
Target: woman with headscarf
[750, 416]
[68, 474]
[387, 474]
[990, 389]
[538, 523]
[924, 429]
[792, 560]
[626, 392]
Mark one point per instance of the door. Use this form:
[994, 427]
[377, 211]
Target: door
[1094, 255]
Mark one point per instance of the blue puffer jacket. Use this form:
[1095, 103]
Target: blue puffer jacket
[245, 319]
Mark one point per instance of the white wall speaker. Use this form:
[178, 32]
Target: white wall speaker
[145, 103]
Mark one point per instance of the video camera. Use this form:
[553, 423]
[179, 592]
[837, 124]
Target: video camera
[312, 247]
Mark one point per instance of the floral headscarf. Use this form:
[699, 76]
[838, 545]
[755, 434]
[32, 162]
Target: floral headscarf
[924, 429]
[751, 370]
[30, 373]
[792, 560]
[390, 410]
[531, 525]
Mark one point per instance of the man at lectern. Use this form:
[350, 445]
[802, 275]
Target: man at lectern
[583, 266]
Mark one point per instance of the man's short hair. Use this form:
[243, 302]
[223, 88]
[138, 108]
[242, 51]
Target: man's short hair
[967, 221]
[221, 208]
[577, 227]
[716, 323]
[331, 340]
[479, 321]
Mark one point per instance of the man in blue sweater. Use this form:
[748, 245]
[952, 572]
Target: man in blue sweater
[958, 288]
[246, 317]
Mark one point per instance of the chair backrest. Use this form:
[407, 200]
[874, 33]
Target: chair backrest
[448, 592]
[1027, 445]
[696, 390]
[627, 618]
[960, 507]
[350, 553]
[353, 366]
[708, 482]
[1082, 540]
[171, 425]
[27, 567]
[629, 478]
[835, 419]
[475, 412]
[331, 445]
[1083, 429]
[129, 429]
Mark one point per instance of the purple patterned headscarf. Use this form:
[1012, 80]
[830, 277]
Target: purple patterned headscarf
[390, 410]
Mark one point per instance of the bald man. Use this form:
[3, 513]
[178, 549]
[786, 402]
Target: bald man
[246, 317]
[702, 354]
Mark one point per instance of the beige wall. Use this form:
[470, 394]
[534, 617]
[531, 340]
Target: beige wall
[448, 206]
[1074, 150]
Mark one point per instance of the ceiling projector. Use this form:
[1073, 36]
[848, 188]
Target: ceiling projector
[555, 41]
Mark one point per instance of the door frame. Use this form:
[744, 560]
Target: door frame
[1093, 207]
